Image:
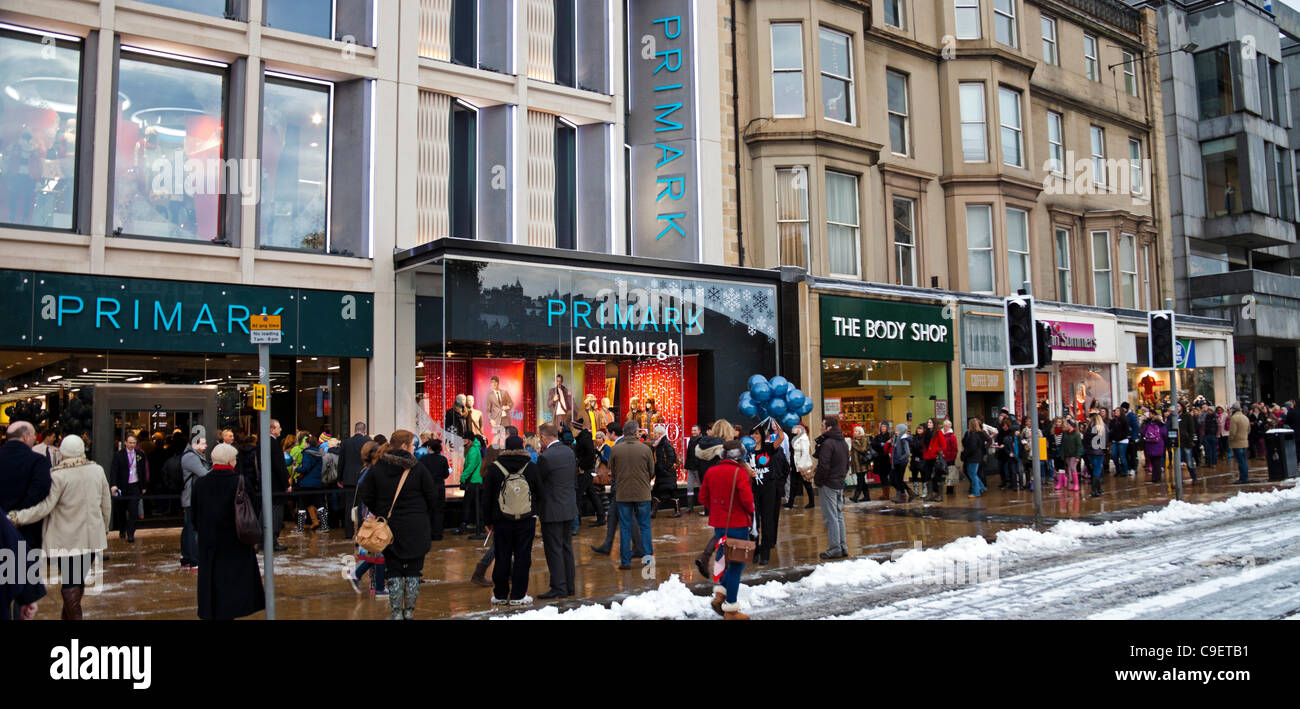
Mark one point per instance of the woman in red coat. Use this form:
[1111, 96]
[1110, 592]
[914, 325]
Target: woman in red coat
[729, 497]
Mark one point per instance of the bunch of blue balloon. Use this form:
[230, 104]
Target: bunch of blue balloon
[774, 398]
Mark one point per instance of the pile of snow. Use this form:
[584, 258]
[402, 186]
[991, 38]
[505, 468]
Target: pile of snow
[964, 560]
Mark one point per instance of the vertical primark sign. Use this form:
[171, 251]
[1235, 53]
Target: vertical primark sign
[663, 129]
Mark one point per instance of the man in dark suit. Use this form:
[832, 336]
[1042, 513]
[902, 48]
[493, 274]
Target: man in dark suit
[24, 481]
[128, 477]
[350, 469]
[557, 468]
[279, 484]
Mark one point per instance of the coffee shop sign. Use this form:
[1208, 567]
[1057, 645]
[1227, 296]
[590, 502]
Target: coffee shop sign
[870, 329]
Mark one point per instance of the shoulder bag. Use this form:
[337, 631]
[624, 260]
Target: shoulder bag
[375, 535]
[247, 527]
[740, 551]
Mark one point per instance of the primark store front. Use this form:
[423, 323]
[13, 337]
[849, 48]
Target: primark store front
[535, 335]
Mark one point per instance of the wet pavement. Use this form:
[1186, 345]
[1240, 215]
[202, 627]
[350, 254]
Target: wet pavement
[144, 579]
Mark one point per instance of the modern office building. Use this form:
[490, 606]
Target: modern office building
[1227, 76]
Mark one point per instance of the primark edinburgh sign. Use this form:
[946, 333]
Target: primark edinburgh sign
[878, 329]
[58, 310]
[662, 129]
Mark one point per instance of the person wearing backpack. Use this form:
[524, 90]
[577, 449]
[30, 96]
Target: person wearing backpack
[403, 493]
[1153, 442]
[510, 487]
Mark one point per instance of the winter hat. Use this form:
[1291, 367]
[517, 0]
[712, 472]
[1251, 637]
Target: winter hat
[514, 443]
[73, 447]
[224, 454]
[901, 428]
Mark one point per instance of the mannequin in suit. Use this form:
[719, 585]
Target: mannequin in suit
[473, 417]
[499, 405]
[559, 401]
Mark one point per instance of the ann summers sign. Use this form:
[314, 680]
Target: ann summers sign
[662, 129]
[878, 329]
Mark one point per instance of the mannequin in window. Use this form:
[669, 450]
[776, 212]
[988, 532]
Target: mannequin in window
[651, 415]
[498, 408]
[473, 417]
[559, 401]
[634, 411]
[454, 422]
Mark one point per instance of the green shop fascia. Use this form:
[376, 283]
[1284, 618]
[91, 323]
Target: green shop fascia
[884, 361]
[102, 313]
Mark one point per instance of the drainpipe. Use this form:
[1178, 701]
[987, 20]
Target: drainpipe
[735, 126]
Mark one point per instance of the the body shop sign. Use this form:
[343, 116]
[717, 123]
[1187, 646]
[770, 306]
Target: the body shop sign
[877, 329]
[1075, 336]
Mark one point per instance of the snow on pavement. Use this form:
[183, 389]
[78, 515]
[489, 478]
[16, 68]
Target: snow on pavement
[960, 561]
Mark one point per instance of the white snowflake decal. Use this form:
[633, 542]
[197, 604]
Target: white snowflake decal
[730, 299]
[750, 330]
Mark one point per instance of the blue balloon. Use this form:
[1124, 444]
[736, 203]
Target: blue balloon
[760, 391]
[807, 407]
[748, 442]
[780, 386]
[794, 399]
[776, 407]
[745, 396]
[747, 408]
[790, 420]
[755, 379]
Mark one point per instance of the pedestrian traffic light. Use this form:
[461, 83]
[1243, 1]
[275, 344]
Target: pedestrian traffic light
[1044, 343]
[1161, 340]
[1022, 335]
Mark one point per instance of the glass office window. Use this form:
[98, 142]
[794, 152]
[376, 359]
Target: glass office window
[216, 8]
[313, 17]
[1222, 179]
[1214, 82]
[170, 113]
[295, 164]
[39, 100]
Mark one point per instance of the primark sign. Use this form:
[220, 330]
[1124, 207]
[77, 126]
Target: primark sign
[663, 130]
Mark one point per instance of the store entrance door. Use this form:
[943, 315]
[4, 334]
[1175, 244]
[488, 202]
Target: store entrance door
[146, 408]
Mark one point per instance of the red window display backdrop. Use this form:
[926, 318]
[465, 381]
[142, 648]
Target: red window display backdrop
[672, 384]
[510, 375]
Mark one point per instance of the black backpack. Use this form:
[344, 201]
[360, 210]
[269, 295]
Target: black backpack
[173, 477]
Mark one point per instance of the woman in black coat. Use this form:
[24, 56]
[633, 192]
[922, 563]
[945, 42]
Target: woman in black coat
[880, 463]
[230, 584]
[665, 485]
[440, 469]
[407, 514]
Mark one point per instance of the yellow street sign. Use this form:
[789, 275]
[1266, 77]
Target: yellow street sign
[259, 397]
[264, 322]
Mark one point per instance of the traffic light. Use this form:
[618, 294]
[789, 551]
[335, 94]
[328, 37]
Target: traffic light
[1044, 343]
[1161, 340]
[1022, 349]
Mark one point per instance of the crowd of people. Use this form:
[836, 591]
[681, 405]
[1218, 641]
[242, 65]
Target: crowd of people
[741, 477]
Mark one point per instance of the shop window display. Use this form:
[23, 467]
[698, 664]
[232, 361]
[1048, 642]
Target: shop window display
[1085, 387]
[866, 392]
[566, 343]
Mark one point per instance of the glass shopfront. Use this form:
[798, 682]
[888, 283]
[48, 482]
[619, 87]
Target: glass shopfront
[528, 344]
[884, 362]
[65, 337]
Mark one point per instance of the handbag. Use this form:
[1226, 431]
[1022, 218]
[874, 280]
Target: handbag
[247, 527]
[740, 551]
[602, 475]
[375, 534]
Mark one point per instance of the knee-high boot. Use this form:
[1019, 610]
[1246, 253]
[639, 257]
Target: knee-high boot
[324, 513]
[1074, 480]
[412, 594]
[302, 521]
[396, 597]
[71, 602]
[315, 521]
